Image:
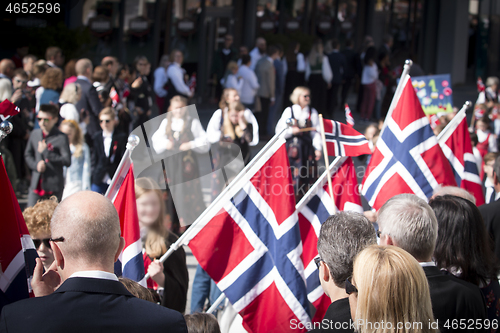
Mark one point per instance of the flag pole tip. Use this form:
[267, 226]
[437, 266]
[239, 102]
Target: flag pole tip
[6, 127]
[467, 104]
[408, 62]
[290, 122]
[133, 140]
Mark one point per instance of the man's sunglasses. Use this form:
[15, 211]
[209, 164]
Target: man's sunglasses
[45, 120]
[105, 121]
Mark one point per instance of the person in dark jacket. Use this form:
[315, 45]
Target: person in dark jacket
[351, 69]
[47, 152]
[337, 64]
[141, 92]
[222, 57]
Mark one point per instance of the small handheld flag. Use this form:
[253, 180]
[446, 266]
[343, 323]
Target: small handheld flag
[348, 116]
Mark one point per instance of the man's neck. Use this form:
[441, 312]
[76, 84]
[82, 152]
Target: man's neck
[335, 293]
[68, 271]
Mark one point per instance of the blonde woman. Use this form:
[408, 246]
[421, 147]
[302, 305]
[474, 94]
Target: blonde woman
[232, 80]
[70, 95]
[318, 76]
[389, 292]
[172, 275]
[77, 175]
[304, 148]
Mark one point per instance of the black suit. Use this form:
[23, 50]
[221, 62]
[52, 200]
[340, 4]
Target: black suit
[91, 104]
[453, 298]
[337, 64]
[351, 68]
[491, 217]
[338, 314]
[102, 164]
[89, 305]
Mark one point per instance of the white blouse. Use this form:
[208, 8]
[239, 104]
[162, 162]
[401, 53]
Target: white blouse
[199, 144]
[301, 115]
[214, 127]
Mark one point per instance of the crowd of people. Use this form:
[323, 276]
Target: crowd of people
[435, 263]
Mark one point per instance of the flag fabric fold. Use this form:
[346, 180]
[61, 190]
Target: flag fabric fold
[17, 251]
[407, 158]
[348, 116]
[249, 243]
[457, 148]
[343, 140]
[7, 110]
[313, 211]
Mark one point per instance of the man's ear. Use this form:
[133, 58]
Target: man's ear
[120, 248]
[58, 256]
[326, 272]
[389, 240]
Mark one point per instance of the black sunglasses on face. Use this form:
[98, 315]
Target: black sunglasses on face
[105, 121]
[38, 242]
[45, 120]
[349, 287]
[318, 261]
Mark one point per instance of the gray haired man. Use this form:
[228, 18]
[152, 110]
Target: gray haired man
[341, 238]
[408, 222]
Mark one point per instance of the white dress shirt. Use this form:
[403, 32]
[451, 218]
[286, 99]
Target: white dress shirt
[250, 85]
[199, 144]
[255, 56]
[301, 63]
[107, 139]
[175, 73]
[214, 127]
[428, 264]
[490, 191]
[300, 115]
[160, 76]
[370, 74]
[233, 82]
[95, 275]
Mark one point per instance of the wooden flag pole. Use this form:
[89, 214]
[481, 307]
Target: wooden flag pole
[327, 163]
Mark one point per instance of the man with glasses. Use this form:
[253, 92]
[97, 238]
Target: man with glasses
[341, 238]
[81, 292]
[47, 152]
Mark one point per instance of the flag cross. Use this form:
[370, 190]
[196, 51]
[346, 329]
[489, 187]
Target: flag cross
[402, 151]
[338, 140]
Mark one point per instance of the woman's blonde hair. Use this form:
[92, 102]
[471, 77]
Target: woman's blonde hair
[232, 65]
[183, 101]
[316, 55]
[294, 97]
[78, 136]
[392, 288]
[223, 99]
[52, 79]
[71, 93]
[228, 129]
[156, 240]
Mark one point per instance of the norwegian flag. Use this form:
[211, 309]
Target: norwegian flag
[480, 85]
[342, 140]
[313, 210]
[407, 158]
[115, 98]
[434, 121]
[479, 112]
[8, 109]
[249, 243]
[456, 145]
[17, 251]
[130, 263]
[348, 116]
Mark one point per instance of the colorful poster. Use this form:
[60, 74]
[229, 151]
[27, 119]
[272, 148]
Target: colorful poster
[434, 92]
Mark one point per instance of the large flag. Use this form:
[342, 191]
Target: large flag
[313, 210]
[343, 140]
[457, 147]
[130, 263]
[17, 252]
[407, 158]
[248, 241]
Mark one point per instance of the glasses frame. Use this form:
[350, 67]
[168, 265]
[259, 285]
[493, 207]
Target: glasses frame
[58, 239]
[45, 241]
[349, 287]
[44, 120]
[318, 261]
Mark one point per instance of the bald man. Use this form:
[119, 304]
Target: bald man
[258, 52]
[7, 68]
[89, 102]
[86, 242]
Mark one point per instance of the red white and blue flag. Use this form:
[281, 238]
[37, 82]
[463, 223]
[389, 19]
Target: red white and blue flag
[249, 243]
[115, 98]
[342, 140]
[130, 263]
[313, 210]
[8, 109]
[407, 158]
[456, 145]
[348, 116]
[17, 251]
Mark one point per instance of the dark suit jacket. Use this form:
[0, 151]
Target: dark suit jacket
[338, 312]
[57, 154]
[337, 63]
[102, 164]
[91, 104]
[89, 305]
[352, 64]
[491, 217]
[453, 298]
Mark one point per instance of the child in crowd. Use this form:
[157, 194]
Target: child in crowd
[486, 140]
[489, 183]
[171, 277]
[107, 151]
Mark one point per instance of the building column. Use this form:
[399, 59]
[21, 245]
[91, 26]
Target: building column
[453, 39]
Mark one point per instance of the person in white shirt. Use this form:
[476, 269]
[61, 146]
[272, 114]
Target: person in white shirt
[177, 139]
[232, 79]
[250, 83]
[304, 148]
[175, 77]
[160, 80]
[318, 76]
[368, 80]
[258, 52]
